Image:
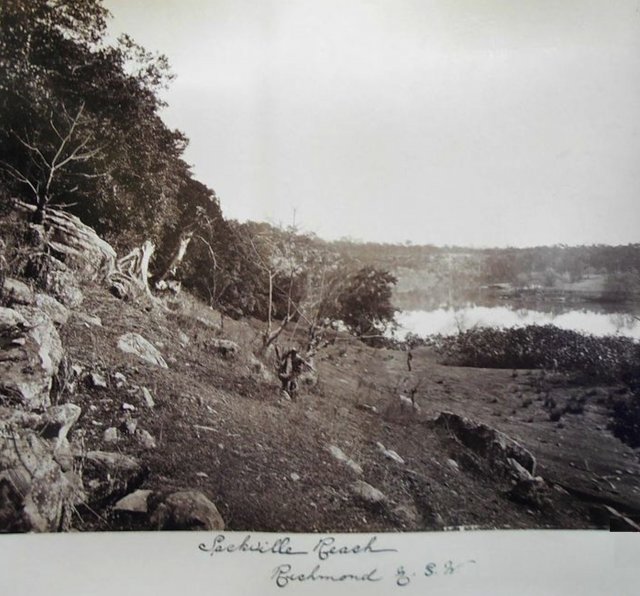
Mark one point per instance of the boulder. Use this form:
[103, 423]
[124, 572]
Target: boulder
[78, 245]
[14, 291]
[367, 493]
[30, 353]
[224, 347]
[108, 476]
[493, 445]
[133, 343]
[36, 493]
[185, 510]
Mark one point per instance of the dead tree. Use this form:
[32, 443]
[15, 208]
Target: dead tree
[50, 159]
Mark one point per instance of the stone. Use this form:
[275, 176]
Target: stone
[407, 513]
[367, 408]
[257, 367]
[111, 435]
[148, 398]
[58, 420]
[109, 476]
[129, 426]
[146, 439]
[36, 494]
[30, 354]
[87, 319]
[133, 343]
[295, 477]
[78, 245]
[224, 347]
[56, 311]
[14, 291]
[389, 453]
[342, 457]
[364, 491]
[493, 445]
[135, 502]
[120, 379]
[186, 510]
[97, 380]
[56, 279]
[128, 407]
[183, 338]
[452, 463]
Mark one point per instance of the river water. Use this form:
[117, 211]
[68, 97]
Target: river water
[450, 320]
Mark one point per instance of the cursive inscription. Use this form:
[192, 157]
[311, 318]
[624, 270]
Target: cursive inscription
[327, 547]
[280, 546]
[283, 575]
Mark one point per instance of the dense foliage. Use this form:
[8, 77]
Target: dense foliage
[547, 347]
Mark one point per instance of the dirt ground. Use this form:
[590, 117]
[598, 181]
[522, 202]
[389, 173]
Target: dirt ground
[265, 462]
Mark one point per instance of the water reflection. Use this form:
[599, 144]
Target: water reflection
[447, 321]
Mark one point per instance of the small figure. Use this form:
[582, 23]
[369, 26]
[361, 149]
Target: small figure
[409, 358]
[291, 365]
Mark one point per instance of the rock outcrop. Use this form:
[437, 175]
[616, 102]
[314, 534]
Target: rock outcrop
[38, 487]
[496, 447]
[31, 352]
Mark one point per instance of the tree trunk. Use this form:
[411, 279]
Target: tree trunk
[178, 256]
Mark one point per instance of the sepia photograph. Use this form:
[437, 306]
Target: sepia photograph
[319, 267]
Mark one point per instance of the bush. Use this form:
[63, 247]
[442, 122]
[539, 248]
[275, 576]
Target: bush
[546, 347]
[626, 420]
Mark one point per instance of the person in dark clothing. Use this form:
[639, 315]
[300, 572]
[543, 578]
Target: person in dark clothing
[291, 366]
[409, 359]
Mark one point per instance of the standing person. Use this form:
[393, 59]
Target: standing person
[409, 358]
[290, 368]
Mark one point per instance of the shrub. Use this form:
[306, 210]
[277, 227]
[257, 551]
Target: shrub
[626, 419]
[545, 347]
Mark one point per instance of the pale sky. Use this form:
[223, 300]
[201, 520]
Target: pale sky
[468, 122]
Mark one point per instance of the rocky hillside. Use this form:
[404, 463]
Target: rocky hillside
[152, 413]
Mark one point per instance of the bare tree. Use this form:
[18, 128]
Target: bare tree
[53, 155]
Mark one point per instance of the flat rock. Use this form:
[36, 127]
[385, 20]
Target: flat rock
[185, 510]
[133, 343]
[135, 502]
